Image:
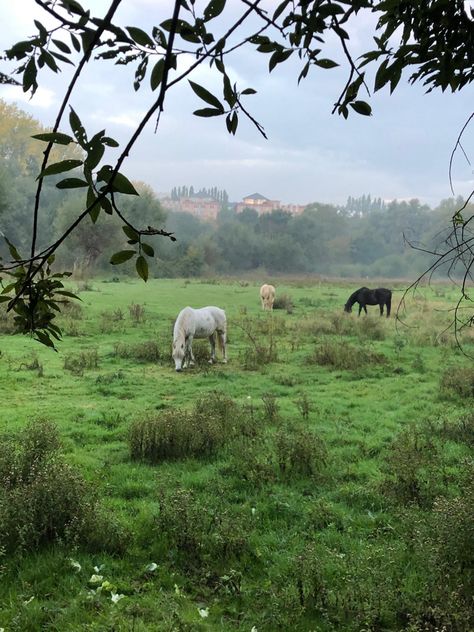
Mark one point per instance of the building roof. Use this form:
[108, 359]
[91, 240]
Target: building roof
[256, 196]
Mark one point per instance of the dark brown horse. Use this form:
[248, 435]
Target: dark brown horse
[381, 297]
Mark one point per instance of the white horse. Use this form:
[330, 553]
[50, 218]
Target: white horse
[267, 296]
[198, 323]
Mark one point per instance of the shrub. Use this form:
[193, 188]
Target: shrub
[371, 328]
[299, 452]
[76, 363]
[458, 381]
[178, 433]
[43, 499]
[72, 309]
[284, 301]
[210, 533]
[251, 462]
[146, 351]
[270, 407]
[340, 355]
[137, 313]
[412, 468]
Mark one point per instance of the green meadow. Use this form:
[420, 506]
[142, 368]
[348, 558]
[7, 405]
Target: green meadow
[322, 480]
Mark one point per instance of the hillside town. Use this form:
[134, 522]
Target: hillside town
[207, 203]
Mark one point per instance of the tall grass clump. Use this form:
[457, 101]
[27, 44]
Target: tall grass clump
[45, 500]
[458, 381]
[77, 363]
[146, 351]
[299, 452]
[175, 434]
[210, 534]
[413, 467]
[340, 355]
[284, 301]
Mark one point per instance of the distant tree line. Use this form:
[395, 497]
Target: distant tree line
[366, 237]
[220, 195]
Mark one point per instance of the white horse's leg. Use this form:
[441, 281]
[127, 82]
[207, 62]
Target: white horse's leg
[223, 338]
[189, 351]
[212, 340]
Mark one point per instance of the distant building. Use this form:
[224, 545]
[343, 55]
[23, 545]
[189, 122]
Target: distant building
[207, 208]
[203, 207]
[263, 205]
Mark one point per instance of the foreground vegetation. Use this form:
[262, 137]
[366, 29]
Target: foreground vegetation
[322, 480]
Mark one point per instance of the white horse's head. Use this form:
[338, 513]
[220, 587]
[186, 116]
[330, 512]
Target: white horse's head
[179, 352]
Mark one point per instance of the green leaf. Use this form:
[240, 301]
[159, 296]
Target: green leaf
[249, 91]
[278, 57]
[382, 76]
[44, 338]
[94, 208]
[142, 267]
[140, 37]
[72, 183]
[122, 256]
[54, 137]
[60, 167]
[29, 76]
[157, 74]
[361, 107]
[280, 8]
[121, 184]
[206, 96]
[326, 63]
[131, 234]
[13, 251]
[78, 129]
[62, 46]
[148, 250]
[110, 142]
[207, 112]
[213, 9]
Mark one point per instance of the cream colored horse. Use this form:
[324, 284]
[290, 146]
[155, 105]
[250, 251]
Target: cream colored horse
[198, 323]
[267, 296]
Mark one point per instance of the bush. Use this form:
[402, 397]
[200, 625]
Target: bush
[146, 351]
[76, 363]
[458, 381]
[284, 301]
[413, 468]
[340, 355]
[299, 452]
[211, 534]
[178, 433]
[137, 313]
[43, 499]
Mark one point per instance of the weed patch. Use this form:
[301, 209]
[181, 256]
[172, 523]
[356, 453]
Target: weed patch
[340, 355]
[174, 434]
[458, 381]
[44, 500]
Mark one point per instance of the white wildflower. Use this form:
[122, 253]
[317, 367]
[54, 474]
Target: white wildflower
[203, 612]
[96, 579]
[116, 597]
[25, 603]
[254, 629]
[152, 566]
[75, 565]
[254, 511]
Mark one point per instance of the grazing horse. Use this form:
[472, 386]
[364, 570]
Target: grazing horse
[267, 296]
[198, 323]
[381, 296]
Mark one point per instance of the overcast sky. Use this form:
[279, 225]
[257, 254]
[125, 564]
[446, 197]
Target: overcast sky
[402, 151]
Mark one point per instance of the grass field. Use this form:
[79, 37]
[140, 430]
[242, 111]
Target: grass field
[321, 480]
